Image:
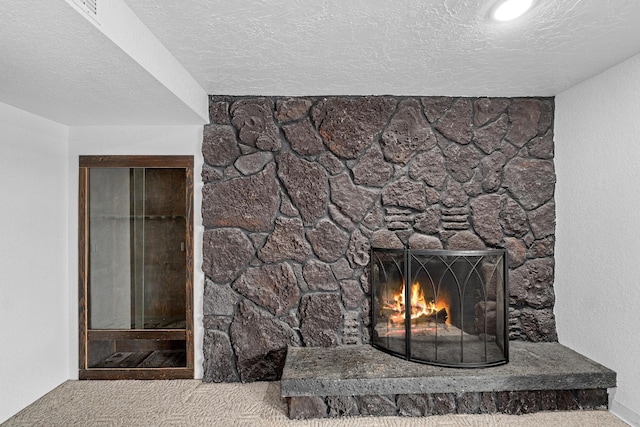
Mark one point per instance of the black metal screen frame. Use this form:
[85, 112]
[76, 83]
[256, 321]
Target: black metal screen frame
[409, 255]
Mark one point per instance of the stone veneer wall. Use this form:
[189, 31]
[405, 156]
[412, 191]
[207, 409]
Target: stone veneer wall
[297, 190]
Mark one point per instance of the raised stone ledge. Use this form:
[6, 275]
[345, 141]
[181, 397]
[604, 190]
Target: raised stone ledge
[539, 376]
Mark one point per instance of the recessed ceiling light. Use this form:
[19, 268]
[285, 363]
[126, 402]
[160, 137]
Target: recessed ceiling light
[509, 10]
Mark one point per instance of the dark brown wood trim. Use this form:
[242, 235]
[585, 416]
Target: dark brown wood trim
[82, 265]
[136, 162]
[85, 335]
[136, 374]
[136, 334]
[189, 267]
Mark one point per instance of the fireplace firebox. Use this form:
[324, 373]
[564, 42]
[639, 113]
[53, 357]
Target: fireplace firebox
[441, 307]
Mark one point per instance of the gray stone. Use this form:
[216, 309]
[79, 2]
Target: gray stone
[543, 220]
[430, 168]
[532, 283]
[377, 406]
[454, 194]
[231, 172]
[488, 109]
[286, 242]
[287, 208]
[218, 363]
[513, 218]
[530, 181]
[489, 138]
[260, 343]
[421, 241]
[373, 220]
[306, 184]
[358, 252]
[407, 133]
[341, 219]
[517, 251]
[342, 406]
[546, 115]
[320, 319]
[289, 109]
[386, 239]
[457, 123]
[209, 174]
[414, 405]
[485, 213]
[372, 170]
[349, 125]
[218, 112]
[468, 403]
[542, 248]
[218, 299]
[219, 146]
[488, 403]
[492, 167]
[518, 402]
[305, 407]
[363, 370]
[319, 276]
[253, 163]
[250, 203]
[365, 310]
[331, 163]
[351, 328]
[351, 292]
[254, 120]
[461, 161]
[328, 242]
[219, 323]
[225, 253]
[303, 138]
[524, 115]
[341, 269]
[353, 201]
[435, 106]
[273, 287]
[258, 239]
[405, 193]
[443, 403]
[474, 186]
[542, 147]
[428, 221]
[464, 240]
[539, 325]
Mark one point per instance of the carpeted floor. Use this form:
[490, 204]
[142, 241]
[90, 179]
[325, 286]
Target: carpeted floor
[193, 403]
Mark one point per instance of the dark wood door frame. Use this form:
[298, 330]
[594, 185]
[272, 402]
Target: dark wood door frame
[86, 372]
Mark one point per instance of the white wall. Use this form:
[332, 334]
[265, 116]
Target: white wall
[134, 140]
[34, 304]
[597, 137]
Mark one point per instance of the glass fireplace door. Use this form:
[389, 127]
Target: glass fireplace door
[136, 278]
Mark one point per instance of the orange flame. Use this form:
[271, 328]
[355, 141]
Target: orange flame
[418, 304]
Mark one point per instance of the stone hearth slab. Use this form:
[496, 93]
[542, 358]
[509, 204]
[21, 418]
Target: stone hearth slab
[343, 380]
[363, 370]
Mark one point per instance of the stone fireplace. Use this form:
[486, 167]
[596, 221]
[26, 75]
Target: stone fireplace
[297, 191]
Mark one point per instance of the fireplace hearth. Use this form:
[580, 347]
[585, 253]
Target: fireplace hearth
[445, 308]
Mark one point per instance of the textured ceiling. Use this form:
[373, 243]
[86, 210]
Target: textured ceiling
[398, 47]
[55, 63]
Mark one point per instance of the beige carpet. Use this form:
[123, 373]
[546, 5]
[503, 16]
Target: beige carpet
[193, 403]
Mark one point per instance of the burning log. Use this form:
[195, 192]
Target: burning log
[439, 316]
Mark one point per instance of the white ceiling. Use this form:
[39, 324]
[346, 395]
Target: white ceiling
[55, 63]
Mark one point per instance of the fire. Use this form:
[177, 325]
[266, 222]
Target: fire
[420, 307]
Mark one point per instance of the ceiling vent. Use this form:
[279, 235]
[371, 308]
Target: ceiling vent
[88, 6]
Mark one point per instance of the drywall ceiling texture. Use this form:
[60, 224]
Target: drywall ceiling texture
[58, 65]
[401, 47]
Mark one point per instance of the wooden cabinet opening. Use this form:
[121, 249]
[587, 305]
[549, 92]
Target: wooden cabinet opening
[136, 267]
